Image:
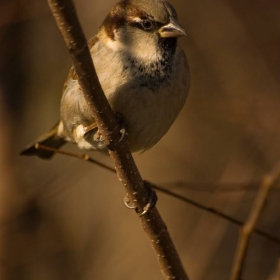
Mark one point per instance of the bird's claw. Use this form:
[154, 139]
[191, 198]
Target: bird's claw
[98, 137]
[152, 200]
[93, 130]
[127, 201]
[121, 125]
[123, 133]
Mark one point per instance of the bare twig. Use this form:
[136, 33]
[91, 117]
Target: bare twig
[198, 187]
[217, 187]
[68, 23]
[196, 204]
[84, 157]
[267, 183]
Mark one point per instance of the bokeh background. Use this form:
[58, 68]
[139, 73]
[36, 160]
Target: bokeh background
[64, 218]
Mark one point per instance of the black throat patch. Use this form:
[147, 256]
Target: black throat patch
[154, 74]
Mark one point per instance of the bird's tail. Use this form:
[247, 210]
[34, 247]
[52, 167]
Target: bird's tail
[49, 139]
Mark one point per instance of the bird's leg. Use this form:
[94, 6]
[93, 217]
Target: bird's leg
[152, 200]
[93, 136]
[97, 137]
[89, 128]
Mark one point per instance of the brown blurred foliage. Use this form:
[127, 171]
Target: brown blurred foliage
[64, 219]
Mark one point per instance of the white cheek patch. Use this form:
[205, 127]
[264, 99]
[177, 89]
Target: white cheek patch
[137, 43]
[145, 49]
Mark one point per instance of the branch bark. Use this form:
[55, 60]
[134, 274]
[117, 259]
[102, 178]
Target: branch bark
[246, 231]
[68, 23]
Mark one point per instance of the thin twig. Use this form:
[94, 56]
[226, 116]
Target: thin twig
[246, 231]
[84, 157]
[68, 23]
[198, 205]
[225, 187]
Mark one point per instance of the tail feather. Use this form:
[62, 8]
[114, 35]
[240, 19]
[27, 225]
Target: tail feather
[49, 139]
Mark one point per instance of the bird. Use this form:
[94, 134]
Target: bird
[143, 72]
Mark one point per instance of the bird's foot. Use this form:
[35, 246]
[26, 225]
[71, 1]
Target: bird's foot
[152, 200]
[97, 137]
[93, 129]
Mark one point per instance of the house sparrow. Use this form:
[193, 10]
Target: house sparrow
[143, 72]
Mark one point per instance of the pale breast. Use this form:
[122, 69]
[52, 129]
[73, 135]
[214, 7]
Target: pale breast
[148, 104]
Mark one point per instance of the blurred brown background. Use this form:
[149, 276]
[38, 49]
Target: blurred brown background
[64, 219]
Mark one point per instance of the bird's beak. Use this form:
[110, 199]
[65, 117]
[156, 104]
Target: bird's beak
[172, 29]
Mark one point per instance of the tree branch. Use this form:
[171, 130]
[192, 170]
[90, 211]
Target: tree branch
[68, 23]
[246, 231]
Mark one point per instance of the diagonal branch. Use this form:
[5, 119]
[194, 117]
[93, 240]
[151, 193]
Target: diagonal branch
[68, 23]
[246, 231]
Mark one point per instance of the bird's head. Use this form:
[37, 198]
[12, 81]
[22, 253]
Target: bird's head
[144, 28]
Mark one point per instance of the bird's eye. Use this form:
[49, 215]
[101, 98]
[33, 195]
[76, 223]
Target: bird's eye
[147, 24]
